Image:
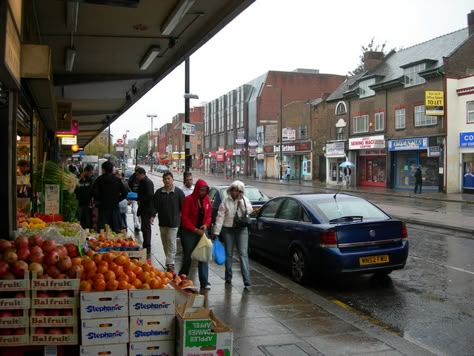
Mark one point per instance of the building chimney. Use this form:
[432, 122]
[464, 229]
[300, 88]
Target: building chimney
[372, 59]
[470, 22]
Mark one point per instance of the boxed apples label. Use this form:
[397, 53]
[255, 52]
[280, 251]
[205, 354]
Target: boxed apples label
[201, 333]
[55, 284]
[14, 285]
[152, 348]
[53, 336]
[14, 319]
[15, 300]
[105, 331]
[15, 337]
[152, 301]
[109, 304]
[53, 299]
[149, 328]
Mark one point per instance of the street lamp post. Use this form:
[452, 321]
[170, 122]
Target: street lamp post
[151, 116]
[187, 97]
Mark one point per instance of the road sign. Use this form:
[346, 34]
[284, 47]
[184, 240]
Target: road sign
[119, 141]
[124, 136]
[188, 129]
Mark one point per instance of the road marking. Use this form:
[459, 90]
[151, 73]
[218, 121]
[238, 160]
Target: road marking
[442, 264]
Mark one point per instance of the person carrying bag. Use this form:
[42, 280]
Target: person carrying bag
[232, 223]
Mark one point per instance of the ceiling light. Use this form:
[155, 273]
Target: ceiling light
[149, 57]
[70, 57]
[175, 17]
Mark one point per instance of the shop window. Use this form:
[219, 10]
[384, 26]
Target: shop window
[423, 120]
[379, 121]
[470, 112]
[361, 124]
[399, 119]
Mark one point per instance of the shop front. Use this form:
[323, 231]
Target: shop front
[297, 156]
[335, 155]
[370, 154]
[466, 148]
[406, 156]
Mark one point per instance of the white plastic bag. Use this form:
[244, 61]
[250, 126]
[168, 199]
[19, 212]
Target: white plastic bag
[203, 250]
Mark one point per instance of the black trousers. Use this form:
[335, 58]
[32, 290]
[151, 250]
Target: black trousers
[146, 230]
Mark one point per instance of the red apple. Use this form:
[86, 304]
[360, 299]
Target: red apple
[66, 312]
[42, 294]
[36, 254]
[21, 241]
[4, 244]
[20, 295]
[63, 294]
[5, 332]
[64, 263]
[7, 276]
[53, 271]
[40, 331]
[55, 331]
[23, 253]
[19, 331]
[6, 314]
[48, 245]
[17, 312]
[54, 312]
[40, 312]
[36, 267]
[62, 250]
[35, 240]
[19, 268]
[75, 271]
[4, 268]
[72, 250]
[51, 257]
[67, 331]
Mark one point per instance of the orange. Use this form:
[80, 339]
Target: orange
[97, 257]
[76, 261]
[137, 283]
[99, 285]
[145, 286]
[123, 277]
[89, 265]
[86, 286]
[108, 257]
[155, 283]
[120, 260]
[98, 276]
[112, 284]
[131, 276]
[109, 276]
[123, 285]
[102, 268]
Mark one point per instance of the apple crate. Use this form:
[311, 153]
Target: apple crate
[15, 294]
[54, 335]
[53, 317]
[72, 284]
[14, 318]
[15, 337]
[54, 299]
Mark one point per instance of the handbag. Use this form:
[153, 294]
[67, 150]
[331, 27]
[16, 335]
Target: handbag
[203, 250]
[218, 252]
[241, 221]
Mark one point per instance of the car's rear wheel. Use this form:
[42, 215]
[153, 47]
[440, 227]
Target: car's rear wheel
[299, 266]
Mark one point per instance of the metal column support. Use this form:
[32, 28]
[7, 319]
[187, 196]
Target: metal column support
[187, 142]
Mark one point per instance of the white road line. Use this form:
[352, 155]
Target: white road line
[442, 264]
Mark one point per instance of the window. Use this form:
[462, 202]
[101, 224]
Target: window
[302, 132]
[270, 209]
[361, 123]
[364, 90]
[470, 112]
[289, 210]
[421, 119]
[399, 119]
[411, 75]
[379, 121]
[341, 108]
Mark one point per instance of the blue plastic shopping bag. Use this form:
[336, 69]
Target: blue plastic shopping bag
[218, 252]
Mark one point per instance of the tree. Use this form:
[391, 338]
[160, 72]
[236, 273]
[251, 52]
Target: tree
[371, 47]
[142, 145]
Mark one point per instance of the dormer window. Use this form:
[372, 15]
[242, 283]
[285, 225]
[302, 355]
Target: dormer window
[411, 75]
[364, 90]
[341, 108]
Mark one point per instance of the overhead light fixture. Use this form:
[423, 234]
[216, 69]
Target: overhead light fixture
[70, 57]
[149, 57]
[72, 15]
[175, 17]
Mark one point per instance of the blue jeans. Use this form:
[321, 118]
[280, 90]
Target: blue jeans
[236, 237]
[189, 240]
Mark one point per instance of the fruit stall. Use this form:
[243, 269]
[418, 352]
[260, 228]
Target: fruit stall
[65, 290]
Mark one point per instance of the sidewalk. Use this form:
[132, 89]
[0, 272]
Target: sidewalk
[278, 317]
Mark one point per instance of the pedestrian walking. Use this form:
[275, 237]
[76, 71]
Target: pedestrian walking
[234, 204]
[133, 183]
[347, 176]
[288, 173]
[107, 191]
[83, 193]
[418, 180]
[195, 219]
[188, 185]
[123, 204]
[146, 209]
[168, 202]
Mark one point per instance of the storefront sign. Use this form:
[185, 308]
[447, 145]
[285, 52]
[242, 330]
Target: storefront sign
[434, 103]
[288, 134]
[253, 143]
[335, 149]
[68, 141]
[466, 139]
[260, 156]
[434, 151]
[372, 153]
[220, 157]
[240, 141]
[408, 144]
[295, 147]
[360, 143]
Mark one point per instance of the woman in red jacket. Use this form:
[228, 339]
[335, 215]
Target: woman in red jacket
[195, 219]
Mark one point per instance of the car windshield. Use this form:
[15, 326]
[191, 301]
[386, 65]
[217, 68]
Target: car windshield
[346, 210]
[252, 194]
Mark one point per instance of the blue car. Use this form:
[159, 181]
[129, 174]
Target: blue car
[321, 235]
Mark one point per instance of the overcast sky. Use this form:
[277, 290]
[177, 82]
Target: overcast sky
[285, 35]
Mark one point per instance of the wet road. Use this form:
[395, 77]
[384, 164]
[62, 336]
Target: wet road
[430, 302]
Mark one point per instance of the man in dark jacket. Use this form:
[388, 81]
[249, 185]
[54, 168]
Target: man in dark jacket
[83, 194]
[134, 183]
[108, 190]
[168, 201]
[146, 210]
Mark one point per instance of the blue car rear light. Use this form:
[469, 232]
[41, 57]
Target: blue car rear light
[329, 239]
[404, 231]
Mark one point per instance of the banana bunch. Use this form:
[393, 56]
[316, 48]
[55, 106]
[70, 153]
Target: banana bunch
[34, 223]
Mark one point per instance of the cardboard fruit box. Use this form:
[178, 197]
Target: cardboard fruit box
[100, 350]
[151, 348]
[104, 331]
[108, 304]
[201, 333]
[15, 294]
[152, 327]
[152, 301]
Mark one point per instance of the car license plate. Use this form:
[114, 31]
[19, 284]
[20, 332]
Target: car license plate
[372, 260]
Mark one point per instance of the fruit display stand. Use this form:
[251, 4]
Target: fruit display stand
[14, 308]
[54, 313]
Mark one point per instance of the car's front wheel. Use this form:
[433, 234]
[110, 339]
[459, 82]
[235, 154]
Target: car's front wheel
[299, 266]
